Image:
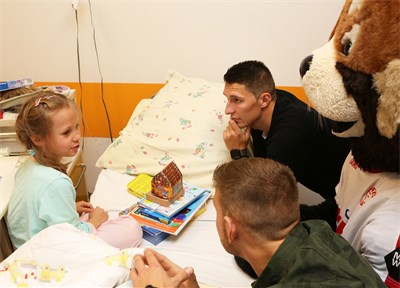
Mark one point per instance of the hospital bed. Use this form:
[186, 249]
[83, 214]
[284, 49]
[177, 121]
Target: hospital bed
[183, 123]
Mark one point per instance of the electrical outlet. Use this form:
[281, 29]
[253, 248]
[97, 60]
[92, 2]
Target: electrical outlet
[75, 4]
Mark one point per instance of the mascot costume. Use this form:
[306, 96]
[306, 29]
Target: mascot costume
[355, 80]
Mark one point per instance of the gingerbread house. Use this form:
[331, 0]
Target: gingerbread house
[166, 186]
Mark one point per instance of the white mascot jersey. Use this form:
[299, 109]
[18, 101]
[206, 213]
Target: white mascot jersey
[369, 215]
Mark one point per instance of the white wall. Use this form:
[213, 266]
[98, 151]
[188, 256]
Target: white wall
[1, 39]
[138, 41]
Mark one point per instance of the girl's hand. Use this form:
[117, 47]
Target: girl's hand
[83, 207]
[98, 217]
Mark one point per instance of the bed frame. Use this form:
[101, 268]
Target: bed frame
[6, 248]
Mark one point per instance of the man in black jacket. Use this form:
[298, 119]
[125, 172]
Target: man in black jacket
[283, 128]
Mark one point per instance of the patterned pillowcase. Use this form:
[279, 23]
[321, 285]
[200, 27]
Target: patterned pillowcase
[184, 123]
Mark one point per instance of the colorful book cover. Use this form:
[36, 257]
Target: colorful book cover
[192, 192]
[154, 236]
[140, 185]
[153, 215]
[179, 221]
[13, 84]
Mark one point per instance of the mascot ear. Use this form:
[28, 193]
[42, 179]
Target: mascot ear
[334, 30]
[387, 84]
[338, 20]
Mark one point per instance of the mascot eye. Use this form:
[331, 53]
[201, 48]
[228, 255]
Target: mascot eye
[346, 47]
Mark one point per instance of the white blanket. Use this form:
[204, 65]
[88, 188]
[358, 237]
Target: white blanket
[63, 256]
[197, 245]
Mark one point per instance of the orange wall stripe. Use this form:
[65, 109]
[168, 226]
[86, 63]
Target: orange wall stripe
[120, 99]
[297, 91]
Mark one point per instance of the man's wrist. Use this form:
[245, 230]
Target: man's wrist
[239, 153]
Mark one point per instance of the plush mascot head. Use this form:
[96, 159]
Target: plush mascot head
[355, 80]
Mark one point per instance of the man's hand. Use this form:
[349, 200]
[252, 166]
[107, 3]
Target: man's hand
[155, 269]
[235, 137]
[83, 207]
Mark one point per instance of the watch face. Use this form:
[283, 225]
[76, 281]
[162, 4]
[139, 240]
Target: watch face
[235, 154]
[243, 153]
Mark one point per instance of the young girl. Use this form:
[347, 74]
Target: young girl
[43, 195]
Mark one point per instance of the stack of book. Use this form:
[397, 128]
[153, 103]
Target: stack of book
[168, 220]
[13, 84]
[154, 236]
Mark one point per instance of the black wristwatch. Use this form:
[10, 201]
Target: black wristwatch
[237, 154]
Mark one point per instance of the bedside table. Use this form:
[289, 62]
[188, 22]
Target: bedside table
[76, 171]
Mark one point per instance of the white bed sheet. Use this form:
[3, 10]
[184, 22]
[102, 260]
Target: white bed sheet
[197, 245]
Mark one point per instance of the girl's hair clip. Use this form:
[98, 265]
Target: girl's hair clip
[31, 152]
[37, 102]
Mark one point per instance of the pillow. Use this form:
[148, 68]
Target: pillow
[63, 256]
[183, 123]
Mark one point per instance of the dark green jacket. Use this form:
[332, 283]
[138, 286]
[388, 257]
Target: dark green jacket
[315, 256]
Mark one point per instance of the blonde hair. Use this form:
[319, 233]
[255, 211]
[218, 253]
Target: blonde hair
[260, 193]
[34, 119]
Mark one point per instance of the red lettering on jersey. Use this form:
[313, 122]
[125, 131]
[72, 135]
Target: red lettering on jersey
[353, 163]
[370, 194]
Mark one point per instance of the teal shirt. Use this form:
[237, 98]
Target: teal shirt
[42, 196]
[314, 256]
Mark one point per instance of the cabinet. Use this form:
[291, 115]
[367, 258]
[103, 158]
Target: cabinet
[77, 174]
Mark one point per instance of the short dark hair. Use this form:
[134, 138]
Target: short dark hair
[254, 75]
[261, 193]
